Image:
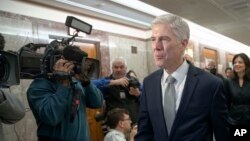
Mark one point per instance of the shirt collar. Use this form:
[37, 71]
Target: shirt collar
[179, 74]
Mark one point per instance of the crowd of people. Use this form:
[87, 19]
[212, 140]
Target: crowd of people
[176, 102]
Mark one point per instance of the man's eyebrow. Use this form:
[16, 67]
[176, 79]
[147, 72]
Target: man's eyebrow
[160, 37]
[165, 36]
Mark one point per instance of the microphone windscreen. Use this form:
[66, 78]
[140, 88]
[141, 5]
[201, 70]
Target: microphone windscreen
[74, 53]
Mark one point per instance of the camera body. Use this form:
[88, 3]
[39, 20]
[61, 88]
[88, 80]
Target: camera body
[34, 64]
[133, 82]
[9, 68]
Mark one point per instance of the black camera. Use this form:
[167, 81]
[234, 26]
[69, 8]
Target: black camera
[34, 64]
[133, 82]
[9, 68]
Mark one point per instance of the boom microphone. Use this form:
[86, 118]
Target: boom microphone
[74, 53]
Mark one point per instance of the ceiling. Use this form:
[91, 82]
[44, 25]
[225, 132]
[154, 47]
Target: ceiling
[228, 17]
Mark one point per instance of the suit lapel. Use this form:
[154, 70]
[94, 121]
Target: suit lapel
[157, 102]
[190, 85]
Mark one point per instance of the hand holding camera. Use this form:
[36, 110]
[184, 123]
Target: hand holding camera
[64, 68]
[134, 91]
[83, 78]
[121, 81]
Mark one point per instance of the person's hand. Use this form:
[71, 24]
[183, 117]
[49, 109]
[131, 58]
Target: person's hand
[133, 132]
[83, 78]
[122, 81]
[134, 91]
[63, 66]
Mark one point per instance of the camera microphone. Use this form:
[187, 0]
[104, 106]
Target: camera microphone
[74, 53]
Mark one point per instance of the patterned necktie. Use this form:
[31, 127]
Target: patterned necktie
[169, 103]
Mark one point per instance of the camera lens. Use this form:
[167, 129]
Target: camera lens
[4, 67]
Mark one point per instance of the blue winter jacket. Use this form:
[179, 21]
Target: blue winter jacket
[50, 103]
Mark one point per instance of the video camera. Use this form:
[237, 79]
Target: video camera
[27, 63]
[9, 68]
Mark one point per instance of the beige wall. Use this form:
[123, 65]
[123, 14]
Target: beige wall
[120, 46]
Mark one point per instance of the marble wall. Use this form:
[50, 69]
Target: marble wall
[121, 47]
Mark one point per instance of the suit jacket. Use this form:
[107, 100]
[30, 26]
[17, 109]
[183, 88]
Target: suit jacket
[201, 112]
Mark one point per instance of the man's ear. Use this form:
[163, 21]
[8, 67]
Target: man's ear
[120, 123]
[184, 43]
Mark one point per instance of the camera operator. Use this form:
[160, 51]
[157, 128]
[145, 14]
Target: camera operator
[11, 108]
[59, 104]
[117, 90]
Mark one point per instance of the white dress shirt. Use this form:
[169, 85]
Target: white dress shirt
[114, 135]
[180, 76]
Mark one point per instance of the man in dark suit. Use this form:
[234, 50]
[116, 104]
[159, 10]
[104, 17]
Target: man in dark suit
[199, 105]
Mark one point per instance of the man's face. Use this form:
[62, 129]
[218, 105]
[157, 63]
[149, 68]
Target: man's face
[229, 73]
[211, 65]
[167, 50]
[126, 123]
[118, 69]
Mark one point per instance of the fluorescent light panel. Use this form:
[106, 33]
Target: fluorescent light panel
[141, 6]
[103, 12]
